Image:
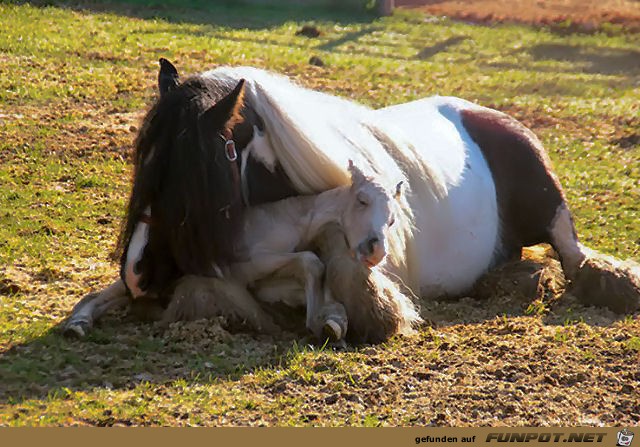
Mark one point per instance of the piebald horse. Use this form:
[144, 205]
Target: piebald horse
[478, 187]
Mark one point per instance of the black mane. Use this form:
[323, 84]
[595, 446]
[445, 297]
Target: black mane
[182, 174]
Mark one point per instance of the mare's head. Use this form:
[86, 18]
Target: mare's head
[369, 214]
[184, 182]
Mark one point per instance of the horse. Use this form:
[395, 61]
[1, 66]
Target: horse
[478, 186]
[277, 235]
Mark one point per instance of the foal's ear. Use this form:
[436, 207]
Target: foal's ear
[357, 176]
[168, 78]
[227, 110]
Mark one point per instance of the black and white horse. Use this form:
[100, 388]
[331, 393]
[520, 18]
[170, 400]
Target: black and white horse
[479, 186]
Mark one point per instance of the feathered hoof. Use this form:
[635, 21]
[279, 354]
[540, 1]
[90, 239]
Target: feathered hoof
[332, 330]
[76, 328]
[607, 282]
[198, 297]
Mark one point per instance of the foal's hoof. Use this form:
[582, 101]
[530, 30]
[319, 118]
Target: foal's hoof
[332, 330]
[77, 328]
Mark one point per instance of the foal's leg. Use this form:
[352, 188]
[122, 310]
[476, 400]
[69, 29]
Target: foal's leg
[325, 316]
[93, 306]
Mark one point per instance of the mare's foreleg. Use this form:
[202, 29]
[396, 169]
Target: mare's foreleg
[93, 306]
[196, 297]
[376, 306]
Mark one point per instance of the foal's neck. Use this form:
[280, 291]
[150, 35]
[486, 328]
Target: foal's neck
[323, 208]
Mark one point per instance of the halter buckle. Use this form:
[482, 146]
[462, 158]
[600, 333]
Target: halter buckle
[230, 150]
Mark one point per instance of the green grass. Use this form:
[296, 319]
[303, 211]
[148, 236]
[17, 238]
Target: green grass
[75, 79]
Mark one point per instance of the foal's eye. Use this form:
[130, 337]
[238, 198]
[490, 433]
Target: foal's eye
[392, 221]
[362, 200]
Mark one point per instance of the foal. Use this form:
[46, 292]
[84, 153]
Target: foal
[277, 235]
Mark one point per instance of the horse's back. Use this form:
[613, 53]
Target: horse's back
[458, 232]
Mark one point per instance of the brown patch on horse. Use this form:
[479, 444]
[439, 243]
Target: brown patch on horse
[376, 307]
[532, 210]
[236, 115]
[528, 193]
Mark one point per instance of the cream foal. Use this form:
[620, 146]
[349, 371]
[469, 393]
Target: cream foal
[277, 236]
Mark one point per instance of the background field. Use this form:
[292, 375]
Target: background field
[75, 79]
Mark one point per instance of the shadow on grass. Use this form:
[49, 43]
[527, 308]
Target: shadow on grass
[594, 60]
[581, 59]
[440, 47]
[120, 353]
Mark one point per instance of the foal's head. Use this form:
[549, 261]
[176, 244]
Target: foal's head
[369, 214]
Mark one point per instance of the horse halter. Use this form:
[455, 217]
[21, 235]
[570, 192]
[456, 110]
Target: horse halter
[229, 145]
[231, 154]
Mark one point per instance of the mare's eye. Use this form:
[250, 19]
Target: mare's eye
[392, 221]
[362, 199]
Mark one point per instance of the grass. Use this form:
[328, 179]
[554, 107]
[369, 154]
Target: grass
[76, 78]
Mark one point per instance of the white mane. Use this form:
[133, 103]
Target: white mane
[314, 134]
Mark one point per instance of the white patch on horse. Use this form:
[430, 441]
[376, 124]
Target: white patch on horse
[244, 185]
[138, 241]
[261, 149]
[458, 232]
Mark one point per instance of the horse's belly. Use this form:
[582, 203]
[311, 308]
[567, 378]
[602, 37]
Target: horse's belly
[457, 233]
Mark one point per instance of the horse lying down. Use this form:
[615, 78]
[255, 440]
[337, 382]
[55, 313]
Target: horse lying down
[322, 252]
[479, 188]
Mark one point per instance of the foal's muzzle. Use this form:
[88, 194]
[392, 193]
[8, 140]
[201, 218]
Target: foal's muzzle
[371, 252]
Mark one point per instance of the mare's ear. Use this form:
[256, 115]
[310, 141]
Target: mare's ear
[357, 176]
[227, 110]
[398, 190]
[168, 78]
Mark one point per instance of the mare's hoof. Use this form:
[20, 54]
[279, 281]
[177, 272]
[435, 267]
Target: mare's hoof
[77, 328]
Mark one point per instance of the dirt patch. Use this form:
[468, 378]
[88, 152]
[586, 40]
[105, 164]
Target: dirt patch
[572, 15]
